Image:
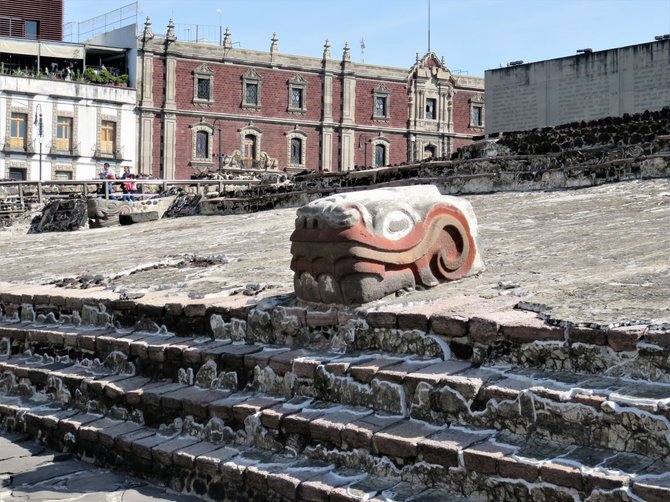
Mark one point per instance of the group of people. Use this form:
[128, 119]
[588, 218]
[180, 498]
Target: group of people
[129, 186]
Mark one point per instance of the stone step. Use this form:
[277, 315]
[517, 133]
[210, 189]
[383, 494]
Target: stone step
[32, 472]
[473, 462]
[481, 330]
[611, 412]
[212, 470]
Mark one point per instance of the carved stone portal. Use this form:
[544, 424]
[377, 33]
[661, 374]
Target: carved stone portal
[358, 247]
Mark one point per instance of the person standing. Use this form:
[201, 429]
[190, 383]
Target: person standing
[129, 186]
[108, 174]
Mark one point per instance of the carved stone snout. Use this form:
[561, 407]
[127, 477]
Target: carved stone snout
[358, 247]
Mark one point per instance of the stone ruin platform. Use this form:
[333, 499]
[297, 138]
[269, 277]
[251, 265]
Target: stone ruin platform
[178, 352]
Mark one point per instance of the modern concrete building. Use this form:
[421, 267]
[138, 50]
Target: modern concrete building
[32, 19]
[204, 105]
[586, 86]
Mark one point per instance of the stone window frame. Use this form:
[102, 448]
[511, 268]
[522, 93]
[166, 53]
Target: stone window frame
[62, 167]
[251, 130]
[17, 164]
[74, 144]
[477, 102]
[209, 129]
[203, 72]
[297, 82]
[429, 144]
[302, 136]
[117, 154]
[251, 77]
[380, 140]
[381, 91]
[30, 119]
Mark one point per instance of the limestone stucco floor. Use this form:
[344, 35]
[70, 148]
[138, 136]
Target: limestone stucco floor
[591, 255]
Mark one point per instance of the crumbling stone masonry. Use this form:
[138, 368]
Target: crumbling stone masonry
[287, 402]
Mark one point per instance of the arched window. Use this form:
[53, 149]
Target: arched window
[202, 144]
[202, 153]
[429, 152]
[380, 155]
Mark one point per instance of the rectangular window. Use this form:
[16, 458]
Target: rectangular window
[477, 116]
[204, 88]
[63, 175]
[296, 98]
[31, 29]
[17, 130]
[380, 155]
[107, 136]
[202, 145]
[17, 174]
[431, 108]
[380, 106]
[296, 151]
[251, 93]
[64, 133]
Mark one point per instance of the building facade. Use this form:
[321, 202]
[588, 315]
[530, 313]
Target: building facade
[586, 86]
[61, 115]
[202, 107]
[57, 129]
[32, 19]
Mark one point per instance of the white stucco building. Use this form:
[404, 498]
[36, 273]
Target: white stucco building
[83, 124]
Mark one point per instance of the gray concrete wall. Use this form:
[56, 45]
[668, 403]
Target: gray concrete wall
[582, 87]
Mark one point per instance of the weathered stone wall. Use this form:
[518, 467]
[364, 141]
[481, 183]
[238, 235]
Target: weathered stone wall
[581, 87]
[638, 130]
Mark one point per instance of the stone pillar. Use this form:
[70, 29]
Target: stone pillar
[450, 112]
[169, 117]
[327, 116]
[327, 148]
[169, 142]
[147, 98]
[347, 145]
[348, 100]
[328, 97]
[146, 142]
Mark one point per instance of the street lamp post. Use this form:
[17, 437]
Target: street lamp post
[412, 143]
[363, 143]
[220, 152]
[40, 131]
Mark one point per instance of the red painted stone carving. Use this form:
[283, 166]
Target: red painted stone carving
[357, 247]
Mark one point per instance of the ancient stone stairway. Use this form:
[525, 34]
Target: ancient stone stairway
[231, 415]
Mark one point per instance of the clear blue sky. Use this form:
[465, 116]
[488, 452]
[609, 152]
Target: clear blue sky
[472, 35]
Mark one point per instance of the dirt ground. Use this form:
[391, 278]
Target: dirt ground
[597, 255]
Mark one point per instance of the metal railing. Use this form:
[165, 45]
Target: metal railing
[117, 18]
[27, 191]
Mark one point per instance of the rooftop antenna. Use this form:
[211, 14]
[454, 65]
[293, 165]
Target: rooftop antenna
[429, 26]
[362, 50]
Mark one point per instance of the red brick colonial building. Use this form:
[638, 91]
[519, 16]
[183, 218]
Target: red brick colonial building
[204, 106]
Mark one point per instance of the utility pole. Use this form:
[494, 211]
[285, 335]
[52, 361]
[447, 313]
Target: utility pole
[428, 26]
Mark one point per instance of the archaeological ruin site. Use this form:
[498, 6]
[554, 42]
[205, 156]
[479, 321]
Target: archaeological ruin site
[238, 275]
[248, 352]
